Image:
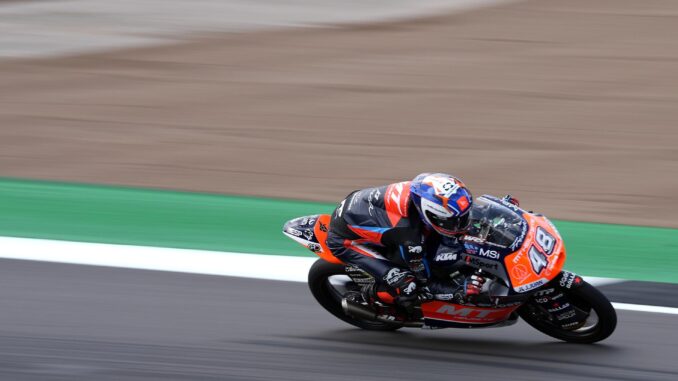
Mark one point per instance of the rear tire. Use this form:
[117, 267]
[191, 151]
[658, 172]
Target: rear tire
[583, 296]
[330, 299]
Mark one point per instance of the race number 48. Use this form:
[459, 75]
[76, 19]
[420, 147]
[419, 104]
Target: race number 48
[545, 240]
[538, 258]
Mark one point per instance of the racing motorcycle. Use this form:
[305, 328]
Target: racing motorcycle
[520, 253]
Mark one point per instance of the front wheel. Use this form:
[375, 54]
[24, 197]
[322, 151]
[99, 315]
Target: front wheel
[329, 283]
[599, 325]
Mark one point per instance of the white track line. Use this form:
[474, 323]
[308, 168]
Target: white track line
[638, 307]
[259, 266]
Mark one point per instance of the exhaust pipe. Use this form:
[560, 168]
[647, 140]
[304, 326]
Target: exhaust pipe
[360, 311]
[357, 310]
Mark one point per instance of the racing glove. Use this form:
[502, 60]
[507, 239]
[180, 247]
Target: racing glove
[474, 285]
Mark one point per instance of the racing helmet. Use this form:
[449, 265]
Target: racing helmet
[443, 202]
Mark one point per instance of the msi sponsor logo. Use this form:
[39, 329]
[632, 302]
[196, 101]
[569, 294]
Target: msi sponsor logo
[414, 249]
[492, 254]
[394, 276]
[446, 257]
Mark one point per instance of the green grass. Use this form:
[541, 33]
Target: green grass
[91, 213]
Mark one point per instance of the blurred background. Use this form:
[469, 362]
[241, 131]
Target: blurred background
[569, 105]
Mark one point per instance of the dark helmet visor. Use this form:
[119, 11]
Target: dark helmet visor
[452, 224]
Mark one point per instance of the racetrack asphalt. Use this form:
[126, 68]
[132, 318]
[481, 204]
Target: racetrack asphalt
[72, 322]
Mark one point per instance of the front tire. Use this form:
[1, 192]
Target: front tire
[330, 298]
[585, 297]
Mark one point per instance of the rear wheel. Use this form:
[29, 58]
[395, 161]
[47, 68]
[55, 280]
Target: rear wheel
[329, 284]
[599, 325]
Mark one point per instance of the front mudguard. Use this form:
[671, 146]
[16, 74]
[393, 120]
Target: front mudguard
[567, 280]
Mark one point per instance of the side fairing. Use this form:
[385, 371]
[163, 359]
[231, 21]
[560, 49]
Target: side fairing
[522, 248]
[539, 259]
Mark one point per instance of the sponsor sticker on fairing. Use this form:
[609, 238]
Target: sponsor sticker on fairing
[531, 286]
[445, 257]
[294, 232]
[492, 254]
[568, 279]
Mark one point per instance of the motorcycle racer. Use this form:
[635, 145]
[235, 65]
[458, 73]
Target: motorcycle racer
[386, 231]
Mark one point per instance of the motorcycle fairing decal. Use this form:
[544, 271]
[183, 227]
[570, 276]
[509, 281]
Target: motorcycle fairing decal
[320, 229]
[436, 323]
[539, 259]
[311, 232]
[395, 201]
[457, 313]
[372, 234]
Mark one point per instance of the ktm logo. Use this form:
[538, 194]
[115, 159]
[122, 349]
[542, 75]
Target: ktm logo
[446, 257]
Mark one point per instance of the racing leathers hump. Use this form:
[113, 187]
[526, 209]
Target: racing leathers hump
[378, 230]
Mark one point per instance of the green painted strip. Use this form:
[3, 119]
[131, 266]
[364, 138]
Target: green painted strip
[91, 213]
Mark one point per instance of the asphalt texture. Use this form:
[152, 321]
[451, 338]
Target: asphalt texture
[648, 293]
[71, 322]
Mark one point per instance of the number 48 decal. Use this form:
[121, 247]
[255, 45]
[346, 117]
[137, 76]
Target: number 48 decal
[547, 243]
[545, 240]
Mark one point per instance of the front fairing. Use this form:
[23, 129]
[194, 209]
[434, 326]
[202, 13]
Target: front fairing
[507, 241]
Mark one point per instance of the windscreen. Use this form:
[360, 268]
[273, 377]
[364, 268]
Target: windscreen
[495, 223]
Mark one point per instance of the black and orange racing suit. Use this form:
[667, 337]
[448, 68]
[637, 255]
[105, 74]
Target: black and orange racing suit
[379, 231]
